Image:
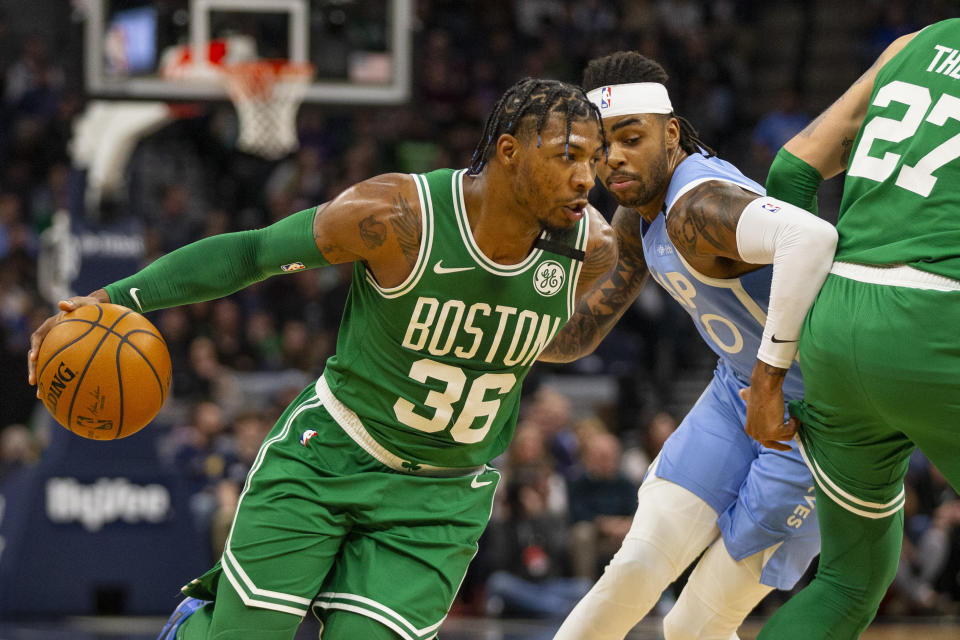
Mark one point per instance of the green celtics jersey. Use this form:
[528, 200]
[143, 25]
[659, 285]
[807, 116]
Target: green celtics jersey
[901, 201]
[433, 366]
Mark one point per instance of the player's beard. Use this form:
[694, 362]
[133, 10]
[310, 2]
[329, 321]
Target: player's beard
[649, 186]
[546, 225]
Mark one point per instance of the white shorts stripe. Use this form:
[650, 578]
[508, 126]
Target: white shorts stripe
[843, 498]
[259, 604]
[371, 604]
[230, 561]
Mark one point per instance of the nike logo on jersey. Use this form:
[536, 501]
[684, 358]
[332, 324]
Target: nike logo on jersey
[774, 338]
[133, 294]
[439, 270]
[476, 484]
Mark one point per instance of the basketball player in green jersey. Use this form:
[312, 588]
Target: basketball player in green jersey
[879, 348]
[366, 500]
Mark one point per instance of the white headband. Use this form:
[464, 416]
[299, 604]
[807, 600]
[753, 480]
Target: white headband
[627, 99]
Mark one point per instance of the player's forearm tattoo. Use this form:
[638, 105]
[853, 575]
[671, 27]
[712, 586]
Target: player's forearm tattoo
[372, 232]
[408, 226]
[846, 146]
[599, 311]
[598, 262]
[704, 222]
[772, 371]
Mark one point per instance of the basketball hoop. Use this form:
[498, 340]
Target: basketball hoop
[267, 95]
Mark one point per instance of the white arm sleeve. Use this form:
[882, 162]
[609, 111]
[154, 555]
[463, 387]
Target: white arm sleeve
[800, 246]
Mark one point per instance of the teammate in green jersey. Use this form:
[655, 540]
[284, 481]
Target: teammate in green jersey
[879, 348]
[368, 496]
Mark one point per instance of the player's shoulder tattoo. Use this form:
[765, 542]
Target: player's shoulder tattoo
[372, 231]
[601, 254]
[704, 221]
[408, 226]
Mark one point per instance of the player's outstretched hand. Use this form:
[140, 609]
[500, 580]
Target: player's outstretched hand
[65, 306]
[765, 424]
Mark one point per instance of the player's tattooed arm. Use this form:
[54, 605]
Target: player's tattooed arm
[826, 142]
[375, 222]
[408, 227]
[703, 222]
[611, 295]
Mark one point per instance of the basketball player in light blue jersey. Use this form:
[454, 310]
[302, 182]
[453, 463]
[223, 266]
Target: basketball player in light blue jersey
[726, 253]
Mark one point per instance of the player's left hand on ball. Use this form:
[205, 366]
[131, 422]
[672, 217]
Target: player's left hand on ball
[36, 339]
[765, 422]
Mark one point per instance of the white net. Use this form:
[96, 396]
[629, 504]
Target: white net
[267, 95]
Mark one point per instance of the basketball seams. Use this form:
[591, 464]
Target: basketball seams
[109, 331]
[139, 352]
[75, 340]
[119, 387]
[90, 368]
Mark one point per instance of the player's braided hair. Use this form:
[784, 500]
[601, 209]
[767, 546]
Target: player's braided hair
[625, 67]
[527, 99]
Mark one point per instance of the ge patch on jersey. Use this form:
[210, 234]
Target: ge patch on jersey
[548, 278]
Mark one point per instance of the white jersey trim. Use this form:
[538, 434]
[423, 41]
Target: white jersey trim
[576, 266]
[895, 276]
[463, 223]
[426, 244]
[696, 183]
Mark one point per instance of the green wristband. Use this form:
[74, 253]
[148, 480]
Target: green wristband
[793, 180]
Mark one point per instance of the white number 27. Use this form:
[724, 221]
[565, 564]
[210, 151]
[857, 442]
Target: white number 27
[918, 178]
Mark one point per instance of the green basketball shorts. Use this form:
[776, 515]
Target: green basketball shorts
[321, 522]
[880, 355]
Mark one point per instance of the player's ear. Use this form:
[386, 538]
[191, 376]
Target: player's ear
[508, 149]
[671, 133]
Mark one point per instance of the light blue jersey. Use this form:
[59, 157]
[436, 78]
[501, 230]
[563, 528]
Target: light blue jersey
[764, 497]
[729, 314]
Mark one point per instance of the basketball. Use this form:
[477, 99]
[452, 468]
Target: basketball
[103, 371]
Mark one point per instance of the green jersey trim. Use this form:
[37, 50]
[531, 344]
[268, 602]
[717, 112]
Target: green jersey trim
[426, 244]
[460, 211]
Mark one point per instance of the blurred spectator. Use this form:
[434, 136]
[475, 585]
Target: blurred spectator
[892, 22]
[550, 411]
[250, 427]
[528, 552]
[528, 453]
[177, 218]
[775, 128]
[209, 378]
[602, 502]
[33, 80]
[931, 528]
[202, 449]
[18, 449]
[202, 452]
[644, 447]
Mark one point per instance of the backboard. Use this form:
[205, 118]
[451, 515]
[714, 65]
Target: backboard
[360, 48]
